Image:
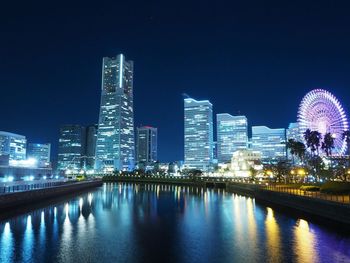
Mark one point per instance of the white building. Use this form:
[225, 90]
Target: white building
[243, 161]
[232, 135]
[14, 145]
[270, 142]
[198, 134]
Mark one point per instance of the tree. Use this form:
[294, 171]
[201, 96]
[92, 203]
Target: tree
[313, 142]
[307, 136]
[291, 145]
[300, 150]
[328, 144]
[277, 171]
[282, 170]
[253, 172]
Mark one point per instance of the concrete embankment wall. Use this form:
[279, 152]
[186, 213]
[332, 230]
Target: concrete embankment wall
[16, 199]
[321, 208]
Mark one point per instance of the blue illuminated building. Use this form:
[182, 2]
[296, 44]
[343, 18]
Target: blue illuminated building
[198, 134]
[115, 147]
[270, 142]
[232, 135]
[13, 145]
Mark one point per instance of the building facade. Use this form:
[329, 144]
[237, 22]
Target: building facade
[40, 152]
[71, 147]
[115, 147]
[244, 160]
[198, 134]
[147, 138]
[270, 142]
[90, 146]
[14, 145]
[232, 135]
[293, 132]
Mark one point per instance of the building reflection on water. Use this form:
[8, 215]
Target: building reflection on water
[305, 246]
[159, 222]
[273, 237]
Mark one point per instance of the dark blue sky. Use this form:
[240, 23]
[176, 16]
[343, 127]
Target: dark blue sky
[254, 57]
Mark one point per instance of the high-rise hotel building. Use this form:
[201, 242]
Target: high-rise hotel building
[115, 146]
[270, 142]
[232, 135]
[198, 134]
[71, 147]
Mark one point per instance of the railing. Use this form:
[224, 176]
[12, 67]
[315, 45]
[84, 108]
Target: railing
[345, 199]
[28, 186]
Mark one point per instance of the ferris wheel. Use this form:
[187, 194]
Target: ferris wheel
[321, 111]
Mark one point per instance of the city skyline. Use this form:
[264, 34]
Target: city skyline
[241, 65]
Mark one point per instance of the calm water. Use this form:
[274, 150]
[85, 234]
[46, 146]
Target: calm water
[150, 223]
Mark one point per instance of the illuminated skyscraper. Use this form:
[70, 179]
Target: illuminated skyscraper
[198, 134]
[270, 142]
[13, 145]
[232, 135]
[146, 144]
[115, 138]
[71, 147]
[90, 146]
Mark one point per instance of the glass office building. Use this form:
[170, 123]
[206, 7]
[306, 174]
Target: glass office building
[146, 145]
[115, 144]
[40, 152]
[270, 142]
[90, 146]
[198, 134]
[13, 145]
[71, 147]
[232, 135]
[293, 132]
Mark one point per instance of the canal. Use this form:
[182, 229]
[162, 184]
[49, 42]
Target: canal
[165, 223]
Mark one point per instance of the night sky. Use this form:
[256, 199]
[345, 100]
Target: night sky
[257, 58]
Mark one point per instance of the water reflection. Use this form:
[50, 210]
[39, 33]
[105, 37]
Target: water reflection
[273, 238]
[305, 246]
[28, 240]
[6, 243]
[165, 223]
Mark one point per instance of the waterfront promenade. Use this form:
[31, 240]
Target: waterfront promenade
[32, 196]
[327, 207]
[18, 186]
[225, 182]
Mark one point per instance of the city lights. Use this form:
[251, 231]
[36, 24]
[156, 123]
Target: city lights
[321, 111]
[31, 163]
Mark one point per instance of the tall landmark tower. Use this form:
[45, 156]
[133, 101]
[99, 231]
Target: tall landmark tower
[115, 145]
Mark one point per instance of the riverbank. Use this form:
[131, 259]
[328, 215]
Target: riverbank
[328, 210]
[317, 208]
[18, 199]
[154, 179]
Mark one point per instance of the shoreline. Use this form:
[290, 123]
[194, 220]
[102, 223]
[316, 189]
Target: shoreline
[17, 200]
[320, 210]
